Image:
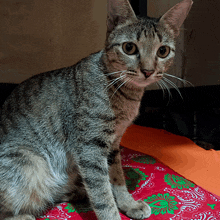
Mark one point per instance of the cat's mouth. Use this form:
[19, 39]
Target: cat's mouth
[143, 79]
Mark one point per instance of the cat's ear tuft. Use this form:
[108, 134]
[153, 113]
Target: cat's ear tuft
[119, 12]
[175, 17]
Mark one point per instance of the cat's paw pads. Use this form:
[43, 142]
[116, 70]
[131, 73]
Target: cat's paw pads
[141, 210]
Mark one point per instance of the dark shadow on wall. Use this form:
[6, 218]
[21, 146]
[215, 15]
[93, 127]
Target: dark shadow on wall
[139, 7]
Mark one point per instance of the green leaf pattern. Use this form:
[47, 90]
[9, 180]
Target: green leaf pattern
[177, 182]
[134, 177]
[70, 209]
[162, 203]
[144, 159]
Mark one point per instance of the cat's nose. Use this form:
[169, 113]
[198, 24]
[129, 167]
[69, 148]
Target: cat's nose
[147, 73]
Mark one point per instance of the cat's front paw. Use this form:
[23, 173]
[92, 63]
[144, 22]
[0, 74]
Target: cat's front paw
[140, 210]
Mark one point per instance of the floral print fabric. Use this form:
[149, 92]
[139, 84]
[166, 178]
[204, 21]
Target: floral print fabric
[169, 195]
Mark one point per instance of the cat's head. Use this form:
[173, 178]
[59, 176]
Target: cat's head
[137, 50]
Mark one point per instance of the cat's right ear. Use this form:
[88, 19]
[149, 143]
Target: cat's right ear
[119, 12]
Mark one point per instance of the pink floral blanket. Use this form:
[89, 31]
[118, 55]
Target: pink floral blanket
[169, 195]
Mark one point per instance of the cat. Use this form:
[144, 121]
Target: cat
[61, 130]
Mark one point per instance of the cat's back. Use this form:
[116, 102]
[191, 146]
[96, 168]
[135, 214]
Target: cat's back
[47, 101]
[57, 83]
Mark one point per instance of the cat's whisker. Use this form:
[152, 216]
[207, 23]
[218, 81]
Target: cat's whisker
[131, 73]
[174, 86]
[167, 88]
[109, 74]
[115, 81]
[160, 86]
[129, 80]
[185, 82]
[118, 87]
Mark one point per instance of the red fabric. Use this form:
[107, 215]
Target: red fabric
[169, 194]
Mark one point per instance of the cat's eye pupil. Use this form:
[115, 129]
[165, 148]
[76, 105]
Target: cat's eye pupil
[129, 47]
[162, 50]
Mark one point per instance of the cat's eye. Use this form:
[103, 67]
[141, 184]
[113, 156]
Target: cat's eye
[163, 51]
[129, 48]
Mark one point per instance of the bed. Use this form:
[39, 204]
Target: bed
[177, 178]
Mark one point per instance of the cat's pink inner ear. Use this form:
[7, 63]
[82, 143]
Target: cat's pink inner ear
[119, 12]
[175, 17]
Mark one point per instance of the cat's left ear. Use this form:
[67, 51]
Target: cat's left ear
[119, 12]
[175, 17]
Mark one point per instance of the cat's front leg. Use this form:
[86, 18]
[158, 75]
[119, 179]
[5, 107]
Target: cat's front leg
[93, 167]
[125, 202]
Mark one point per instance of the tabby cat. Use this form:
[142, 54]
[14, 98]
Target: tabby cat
[60, 131]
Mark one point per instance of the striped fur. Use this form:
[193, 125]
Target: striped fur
[61, 130]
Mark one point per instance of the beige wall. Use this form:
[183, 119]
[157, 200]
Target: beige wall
[41, 35]
[157, 8]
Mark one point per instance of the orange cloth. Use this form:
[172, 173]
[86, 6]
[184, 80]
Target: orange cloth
[179, 153]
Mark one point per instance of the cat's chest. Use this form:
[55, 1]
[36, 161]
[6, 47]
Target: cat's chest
[125, 115]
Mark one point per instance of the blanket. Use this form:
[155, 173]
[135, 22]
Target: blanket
[169, 194]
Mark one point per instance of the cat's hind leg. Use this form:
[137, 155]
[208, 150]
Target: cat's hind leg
[27, 185]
